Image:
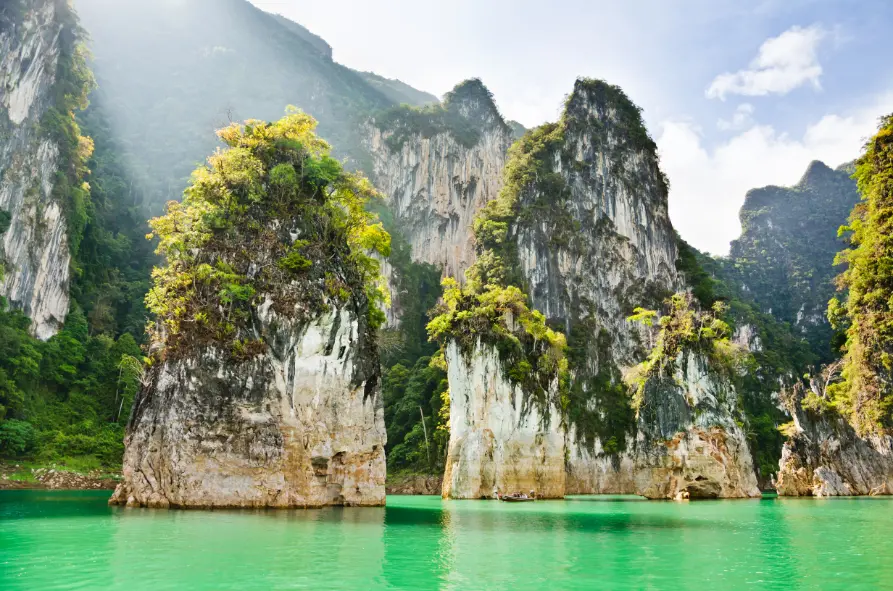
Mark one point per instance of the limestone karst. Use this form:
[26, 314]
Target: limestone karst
[264, 385]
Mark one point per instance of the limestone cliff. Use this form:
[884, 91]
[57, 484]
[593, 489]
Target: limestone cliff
[825, 457]
[264, 388]
[499, 437]
[582, 225]
[37, 49]
[688, 443]
[299, 426]
[437, 167]
[784, 259]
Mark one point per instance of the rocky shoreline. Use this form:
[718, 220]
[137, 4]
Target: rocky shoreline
[414, 484]
[53, 478]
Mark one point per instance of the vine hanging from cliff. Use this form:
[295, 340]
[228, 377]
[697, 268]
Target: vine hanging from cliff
[271, 218]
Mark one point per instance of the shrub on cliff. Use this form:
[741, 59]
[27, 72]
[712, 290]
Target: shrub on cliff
[272, 216]
[532, 354]
[683, 328]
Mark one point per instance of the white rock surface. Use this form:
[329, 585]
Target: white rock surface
[688, 443]
[499, 438]
[300, 426]
[589, 257]
[435, 187]
[825, 457]
[34, 251]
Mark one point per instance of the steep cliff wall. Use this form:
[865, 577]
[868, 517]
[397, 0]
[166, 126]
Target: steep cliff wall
[499, 437]
[37, 56]
[437, 167]
[594, 240]
[264, 388]
[825, 457]
[300, 426]
[689, 444]
[582, 226]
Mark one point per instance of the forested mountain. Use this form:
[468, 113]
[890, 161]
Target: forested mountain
[173, 72]
[841, 439]
[784, 259]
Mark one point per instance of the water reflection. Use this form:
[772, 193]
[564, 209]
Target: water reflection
[236, 549]
[74, 541]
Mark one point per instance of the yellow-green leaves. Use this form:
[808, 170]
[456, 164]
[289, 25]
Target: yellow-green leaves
[644, 316]
[683, 327]
[272, 216]
[533, 352]
[865, 396]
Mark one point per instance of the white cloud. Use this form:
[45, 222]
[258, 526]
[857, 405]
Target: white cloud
[708, 185]
[783, 63]
[741, 118]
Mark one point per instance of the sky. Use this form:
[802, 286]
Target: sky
[738, 94]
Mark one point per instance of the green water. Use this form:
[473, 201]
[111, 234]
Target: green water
[72, 540]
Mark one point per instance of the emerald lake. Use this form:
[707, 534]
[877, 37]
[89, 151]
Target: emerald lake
[72, 540]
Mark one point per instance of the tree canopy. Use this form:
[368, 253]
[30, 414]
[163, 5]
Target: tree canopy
[272, 215]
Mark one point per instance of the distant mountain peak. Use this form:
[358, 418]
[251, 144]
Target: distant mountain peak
[473, 100]
[816, 173]
[591, 94]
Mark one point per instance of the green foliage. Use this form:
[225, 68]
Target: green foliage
[700, 282]
[415, 291]
[865, 396]
[532, 353]
[465, 110]
[785, 253]
[229, 243]
[412, 387]
[410, 394]
[112, 264]
[684, 328]
[67, 396]
[598, 403]
[16, 438]
[71, 395]
[73, 84]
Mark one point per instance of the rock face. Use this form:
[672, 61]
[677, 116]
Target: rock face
[825, 457]
[265, 383]
[592, 240]
[784, 258]
[301, 426]
[499, 439]
[591, 246]
[436, 177]
[34, 249]
[414, 484]
[688, 444]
